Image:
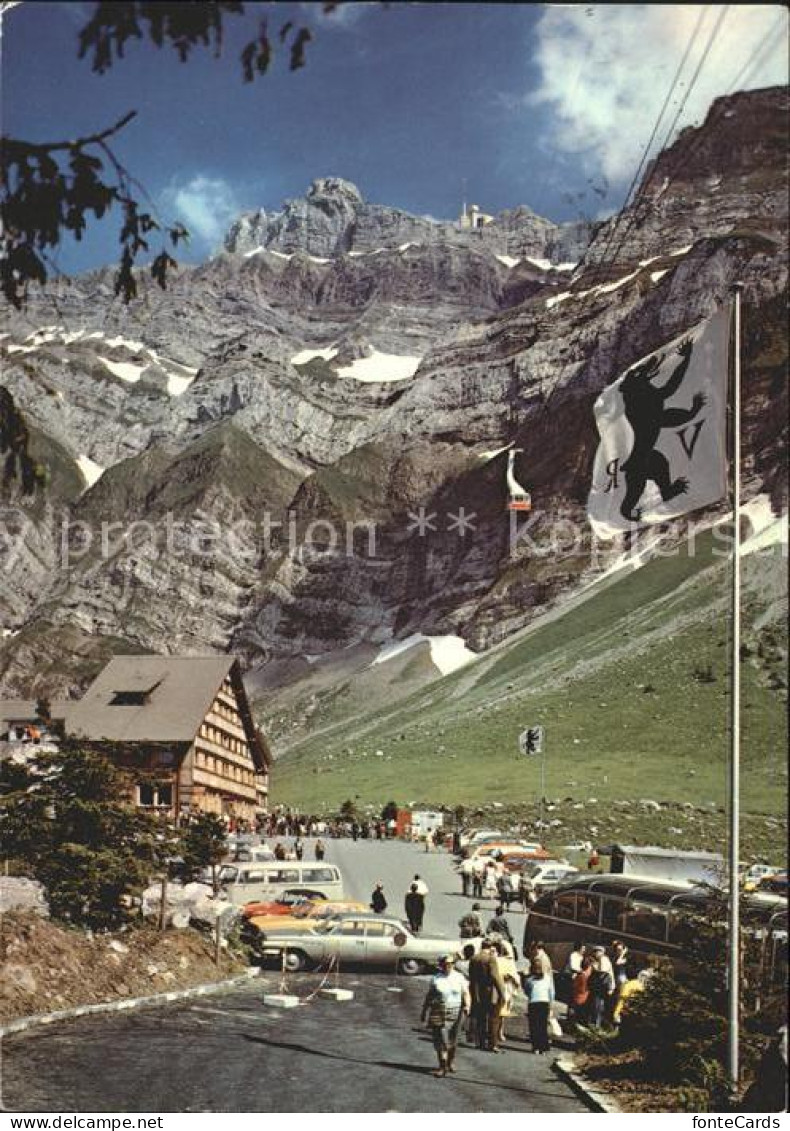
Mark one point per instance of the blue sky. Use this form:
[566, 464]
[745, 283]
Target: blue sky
[548, 106]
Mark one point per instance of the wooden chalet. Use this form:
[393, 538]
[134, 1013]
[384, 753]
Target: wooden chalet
[184, 724]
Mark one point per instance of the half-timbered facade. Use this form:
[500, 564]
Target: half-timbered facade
[184, 725]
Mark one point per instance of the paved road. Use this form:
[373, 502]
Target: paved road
[230, 1053]
[395, 863]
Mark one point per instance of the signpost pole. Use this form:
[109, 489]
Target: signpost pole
[543, 782]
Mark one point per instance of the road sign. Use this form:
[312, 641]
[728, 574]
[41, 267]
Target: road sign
[530, 741]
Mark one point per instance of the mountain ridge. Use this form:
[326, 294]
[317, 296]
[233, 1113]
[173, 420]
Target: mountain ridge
[260, 349]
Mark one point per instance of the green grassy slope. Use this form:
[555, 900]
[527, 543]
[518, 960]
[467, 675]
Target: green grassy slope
[631, 685]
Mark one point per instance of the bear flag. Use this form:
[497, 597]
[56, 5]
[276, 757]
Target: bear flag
[663, 433]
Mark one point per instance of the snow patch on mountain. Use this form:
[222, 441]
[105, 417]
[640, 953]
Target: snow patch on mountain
[304, 356]
[91, 471]
[448, 653]
[768, 529]
[381, 367]
[124, 369]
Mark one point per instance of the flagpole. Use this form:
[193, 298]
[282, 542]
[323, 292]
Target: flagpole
[734, 934]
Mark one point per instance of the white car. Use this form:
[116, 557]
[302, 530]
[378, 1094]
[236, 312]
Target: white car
[541, 877]
[362, 939]
[475, 836]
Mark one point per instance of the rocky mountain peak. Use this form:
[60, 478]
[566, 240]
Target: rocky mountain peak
[334, 189]
[333, 218]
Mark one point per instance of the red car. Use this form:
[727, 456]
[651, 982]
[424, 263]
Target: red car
[284, 905]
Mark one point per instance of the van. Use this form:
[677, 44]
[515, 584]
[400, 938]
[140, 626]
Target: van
[248, 882]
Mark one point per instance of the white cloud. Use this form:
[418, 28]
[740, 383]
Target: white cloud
[605, 71]
[206, 205]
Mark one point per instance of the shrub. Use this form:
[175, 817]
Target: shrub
[66, 822]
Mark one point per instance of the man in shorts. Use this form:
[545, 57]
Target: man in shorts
[445, 1003]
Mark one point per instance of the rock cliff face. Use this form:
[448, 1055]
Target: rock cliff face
[292, 451]
[333, 219]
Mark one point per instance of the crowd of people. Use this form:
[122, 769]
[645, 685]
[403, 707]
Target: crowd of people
[599, 984]
[486, 984]
[288, 824]
[479, 990]
[486, 877]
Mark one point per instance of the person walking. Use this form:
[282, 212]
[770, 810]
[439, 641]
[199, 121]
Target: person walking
[601, 987]
[422, 887]
[489, 883]
[378, 901]
[579, 1008]
[537, 953]
[575, 958]
[487, 990]
[415, 908]
[478, 873]
[620, 961]
[539, 991]
[526, 892]
[445, 1003]
[319, 850]
[506, 968]
[299, 848]
[499, 925]
[507, 887]
[466, 868]
[470, 926]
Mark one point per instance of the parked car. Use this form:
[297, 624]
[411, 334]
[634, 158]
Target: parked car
[774, 885]
[286, 904]
[474, 836]
[544, 877]
[305, 916]
[754, 876]
[500, 848]
[519, 858]
[368, 940]
[253, 854]
[484, 837]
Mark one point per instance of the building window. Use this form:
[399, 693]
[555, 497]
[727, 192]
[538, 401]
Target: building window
[155, 796]
[129, 699]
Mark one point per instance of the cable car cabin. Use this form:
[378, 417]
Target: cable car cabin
[652, 917]
[518, 498]
[520, 502]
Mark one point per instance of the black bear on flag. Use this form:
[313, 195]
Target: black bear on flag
[646, 413]
[659, 458]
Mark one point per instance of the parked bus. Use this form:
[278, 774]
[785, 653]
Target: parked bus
[650, 917]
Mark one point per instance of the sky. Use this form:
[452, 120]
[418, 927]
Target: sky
[419, 104]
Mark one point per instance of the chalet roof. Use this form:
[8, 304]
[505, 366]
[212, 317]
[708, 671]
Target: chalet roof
[175, 694]
[17, 709]
[26, 709]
